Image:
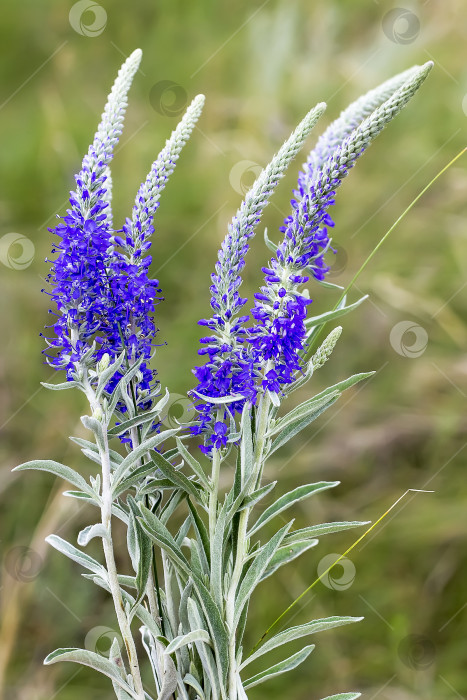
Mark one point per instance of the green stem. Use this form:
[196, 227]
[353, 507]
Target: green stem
[106, 519]
[243, 544]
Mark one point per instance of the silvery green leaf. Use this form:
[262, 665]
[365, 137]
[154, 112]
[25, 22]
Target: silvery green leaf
[92, 424]
[199, 635]
[272, 246]
[283, 666]
[292, 633]
[322, 529]
[257, 495]
[130, 603]
[342, 309]
[302, 411]
[220, 399]
[344, 384]
[286, 554]
[275, 400]
[178, 479]
[141, 550]
[76, 555]
[190, 680]
[82, 496]
[290, 499]
[301, 380]
[137, 421]
[201, 533]
[107, 374]
[296, 427]
[257, 569]
[95, 661]
[87, 445]
[129, 581]
[169, 679]
[344, 696]
[138, 452]
[120, 391]
[329, 285]
[136, 476]
[157, 531]
[58, 469]
[209, 666]
[217, 555]
[115, 658]
[91, 531]
[193, 463]
[61, 386]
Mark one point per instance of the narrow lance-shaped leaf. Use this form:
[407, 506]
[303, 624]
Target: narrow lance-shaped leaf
[289, 635]
[282, 667]
[194, 464]
[76, 555]
[322, 529]
[286, 554]
[57, 469]
[138, 452]
[289, 499]
[178, 479]
[142, 557]
[256, 570]
[95, 661]
[295, 426]
[344, 696]
[194, 636]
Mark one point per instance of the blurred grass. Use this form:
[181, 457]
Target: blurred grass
[261, 66]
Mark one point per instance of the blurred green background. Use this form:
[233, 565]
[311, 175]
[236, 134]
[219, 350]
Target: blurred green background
[261, 66]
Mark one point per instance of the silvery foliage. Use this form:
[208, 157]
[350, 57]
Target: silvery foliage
[191, 585]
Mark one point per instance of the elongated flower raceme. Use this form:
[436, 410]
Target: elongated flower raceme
[225, 369]
[78, 276]
[131, 290]
[280, 309]
[100, 280]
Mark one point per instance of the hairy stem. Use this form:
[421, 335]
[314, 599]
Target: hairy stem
[242, 545]
[214, 495]
[106, 519]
